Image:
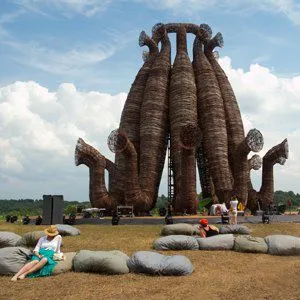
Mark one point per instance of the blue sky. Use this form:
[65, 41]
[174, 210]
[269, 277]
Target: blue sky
[104, 35]
[57, 56]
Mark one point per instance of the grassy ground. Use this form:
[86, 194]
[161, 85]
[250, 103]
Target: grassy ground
[217, 274]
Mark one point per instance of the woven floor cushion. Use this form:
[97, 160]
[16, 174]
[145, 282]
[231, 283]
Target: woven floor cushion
[12, 259]
[153, 263]
[250, 244]
[216, 242]
[235, 229]
[8, 239]
[176, 242]
[180, 229]
[106, 262]
[65, 265]
[67, 230]
[283, 244]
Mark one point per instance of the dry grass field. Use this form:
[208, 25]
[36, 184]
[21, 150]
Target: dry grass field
[217, 274]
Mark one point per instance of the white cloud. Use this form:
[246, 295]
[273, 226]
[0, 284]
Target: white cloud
[39, 130]
[67, 8]
[261, 59]
[88, 8]
[272, 105]
[8, 18]
[289, 8]
[183, 5]
[70, 62]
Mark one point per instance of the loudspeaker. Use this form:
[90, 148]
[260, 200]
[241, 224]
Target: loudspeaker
[53, 209]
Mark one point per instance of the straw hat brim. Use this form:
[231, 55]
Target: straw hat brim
[51, 233]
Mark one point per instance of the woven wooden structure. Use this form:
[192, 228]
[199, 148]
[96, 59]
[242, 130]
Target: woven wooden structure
[277, 154]
[212, 123]
[183, 111]
[96, 162]
[154, 120]
[130, 118]
[254, 163]
[194, 103]
[234, 124]
[187, 196]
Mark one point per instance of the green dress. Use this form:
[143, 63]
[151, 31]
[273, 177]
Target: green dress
[47, 269]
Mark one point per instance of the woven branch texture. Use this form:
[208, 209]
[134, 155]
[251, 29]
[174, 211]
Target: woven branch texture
[272, 157]
[154, 121]
[183, 111]
[212, 123]
[96, 162]
[130, 118]
[235, 130]
[195, 105]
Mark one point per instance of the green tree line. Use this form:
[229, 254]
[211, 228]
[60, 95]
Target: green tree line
[31, 207]
[281, 197]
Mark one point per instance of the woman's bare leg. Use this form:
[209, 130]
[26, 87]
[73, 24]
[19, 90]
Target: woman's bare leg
[235, 219]
[25, 268]
[36, 267]
[230, 218]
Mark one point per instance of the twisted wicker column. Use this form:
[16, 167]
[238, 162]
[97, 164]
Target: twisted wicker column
[203, 170]
[96, 162]
[113, 174]
[254, 163]
[154, 121]
[277, 154]
[212, 123]
[188, 195]
[133, 194]
[130, 118]
[234, 124]
[183, 111]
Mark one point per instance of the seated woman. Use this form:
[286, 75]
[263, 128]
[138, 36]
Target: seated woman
[42, 263]
[207, 230]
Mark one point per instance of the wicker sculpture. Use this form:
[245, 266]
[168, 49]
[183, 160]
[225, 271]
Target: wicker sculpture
[194, 103]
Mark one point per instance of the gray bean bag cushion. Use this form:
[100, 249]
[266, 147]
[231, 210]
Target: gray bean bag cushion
[12, 259]
[153, 263]
[180, 229]
[283, 244]
[65, 265]
[145, 262]
[216, 242]
[67, 230]
[247, 243]
[176, 242]
[107, 262]
[177, 265]
[8, 239]
[235, 229]
[30, 239]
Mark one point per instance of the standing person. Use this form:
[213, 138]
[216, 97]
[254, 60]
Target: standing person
[42, 263]
[207, 230]
[233, 211]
